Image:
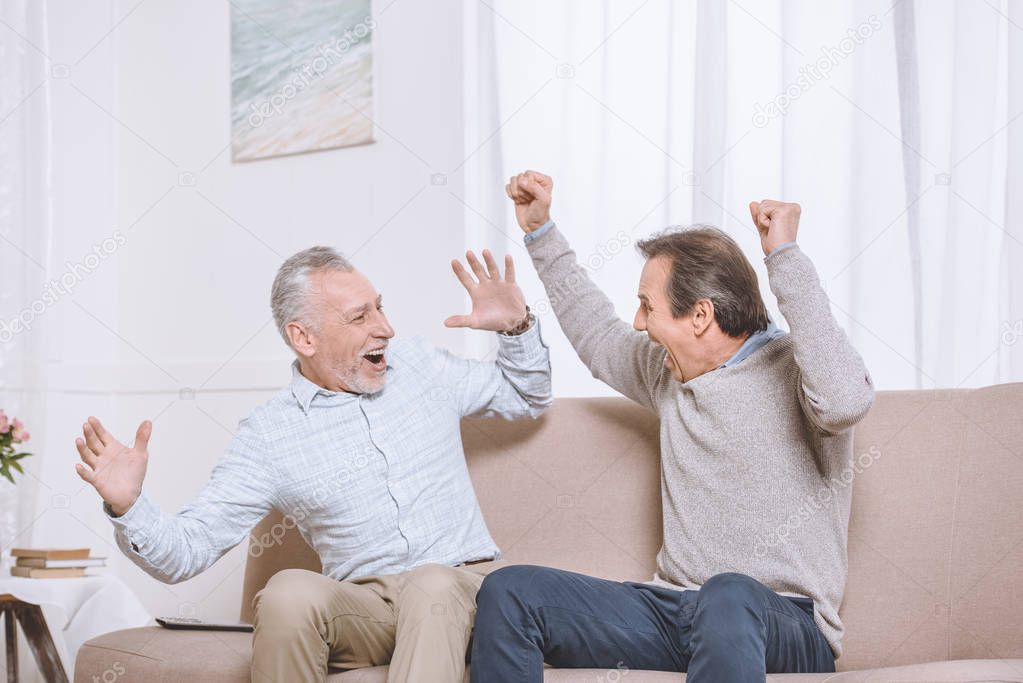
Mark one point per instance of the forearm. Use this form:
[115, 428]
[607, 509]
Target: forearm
[170, 549]
[516, 384]
[524, 363]
[614, 352]
[837, 389]
[239, 493]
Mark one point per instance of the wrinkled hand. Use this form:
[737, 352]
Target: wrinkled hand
[497, 304]
[777, 222]
[531, 192]
[115, 471]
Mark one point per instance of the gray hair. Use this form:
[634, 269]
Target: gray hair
[289, 296]
[708, 264]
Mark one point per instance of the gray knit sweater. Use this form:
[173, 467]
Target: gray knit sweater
[756, 458]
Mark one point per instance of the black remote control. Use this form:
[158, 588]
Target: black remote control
[188, 623]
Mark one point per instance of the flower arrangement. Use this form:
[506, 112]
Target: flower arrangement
[12, 432]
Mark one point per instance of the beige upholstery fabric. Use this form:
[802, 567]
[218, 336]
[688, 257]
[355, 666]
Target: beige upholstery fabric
[936, 536]
[155, 655]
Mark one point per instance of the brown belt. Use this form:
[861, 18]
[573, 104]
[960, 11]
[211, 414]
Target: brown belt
[471, 562]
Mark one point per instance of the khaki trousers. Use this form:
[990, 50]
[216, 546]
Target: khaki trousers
[418, 621]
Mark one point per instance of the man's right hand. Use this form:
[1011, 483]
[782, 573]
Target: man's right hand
[531, 192]
[115, 471]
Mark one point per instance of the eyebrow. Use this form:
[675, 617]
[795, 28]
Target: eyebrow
[362, 309]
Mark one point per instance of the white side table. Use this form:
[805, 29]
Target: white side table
[83, 608]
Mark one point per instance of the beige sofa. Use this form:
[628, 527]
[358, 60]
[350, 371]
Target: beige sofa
[935, 589]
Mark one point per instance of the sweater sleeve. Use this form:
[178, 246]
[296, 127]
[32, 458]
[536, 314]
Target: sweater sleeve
[616, 354]
[835, 389]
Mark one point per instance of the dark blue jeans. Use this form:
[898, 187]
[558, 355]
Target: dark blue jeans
[733, 629]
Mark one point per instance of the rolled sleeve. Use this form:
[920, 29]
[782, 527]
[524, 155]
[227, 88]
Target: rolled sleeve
[526, 346]
[514, 385]
[137, 523]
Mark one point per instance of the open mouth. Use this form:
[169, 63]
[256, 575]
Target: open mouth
[668, 360]
[376, 359]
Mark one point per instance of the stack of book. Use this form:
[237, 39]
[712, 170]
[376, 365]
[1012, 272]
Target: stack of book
[53, 563]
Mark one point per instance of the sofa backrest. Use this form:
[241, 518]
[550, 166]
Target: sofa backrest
[935, 539]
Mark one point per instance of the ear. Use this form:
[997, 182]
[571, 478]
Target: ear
[302, 339]
[703, 316]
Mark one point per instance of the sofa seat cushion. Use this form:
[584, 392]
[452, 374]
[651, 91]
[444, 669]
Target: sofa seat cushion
[159, 655]
[955, 671]
[960, 671]
[154, 654]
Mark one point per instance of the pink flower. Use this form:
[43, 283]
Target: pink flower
[4, 423]
[18, 433]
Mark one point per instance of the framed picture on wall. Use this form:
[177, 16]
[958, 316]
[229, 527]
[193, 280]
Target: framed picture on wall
[301, 76]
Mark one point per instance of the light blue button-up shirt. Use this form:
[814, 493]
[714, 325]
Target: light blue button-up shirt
[376, 484]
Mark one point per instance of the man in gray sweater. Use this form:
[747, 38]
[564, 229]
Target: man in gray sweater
[756, 461]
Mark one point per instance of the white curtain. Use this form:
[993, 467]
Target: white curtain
[26, 231]
[893, 124]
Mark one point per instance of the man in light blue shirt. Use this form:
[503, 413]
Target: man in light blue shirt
[363, 454]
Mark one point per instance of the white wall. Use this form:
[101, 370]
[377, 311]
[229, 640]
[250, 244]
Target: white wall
[181, 309]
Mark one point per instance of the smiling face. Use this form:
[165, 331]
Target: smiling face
[654, 317]
[344, 349]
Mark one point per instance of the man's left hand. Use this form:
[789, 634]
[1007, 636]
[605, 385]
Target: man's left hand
[497, 303]
[777, 222]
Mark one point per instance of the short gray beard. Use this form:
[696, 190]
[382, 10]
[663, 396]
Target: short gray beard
[350, 378]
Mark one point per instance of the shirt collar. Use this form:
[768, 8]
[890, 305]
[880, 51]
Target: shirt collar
[753, 343]
[305, 391]
[301, 388]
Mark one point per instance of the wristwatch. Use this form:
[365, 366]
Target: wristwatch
[526, 323]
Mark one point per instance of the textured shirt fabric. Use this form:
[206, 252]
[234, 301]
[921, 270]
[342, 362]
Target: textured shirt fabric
[756, 457]
[375, 483]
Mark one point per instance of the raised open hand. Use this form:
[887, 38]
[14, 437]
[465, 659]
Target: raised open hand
[497, 303]
[114, 470]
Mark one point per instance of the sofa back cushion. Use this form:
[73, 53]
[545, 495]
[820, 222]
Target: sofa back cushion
[936, 535]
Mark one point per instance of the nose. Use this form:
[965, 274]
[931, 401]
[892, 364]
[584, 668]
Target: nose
[639, 322]
[383, 329]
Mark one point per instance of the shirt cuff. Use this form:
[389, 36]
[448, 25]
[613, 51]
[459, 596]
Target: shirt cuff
[779, 248]
[538, 233]
[525, 346]
[137, 522]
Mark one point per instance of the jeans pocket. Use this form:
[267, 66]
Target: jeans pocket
[687, 609]
[795, 643]
[805, 604]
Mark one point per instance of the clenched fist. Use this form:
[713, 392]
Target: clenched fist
[531, 192]
[777, 222]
